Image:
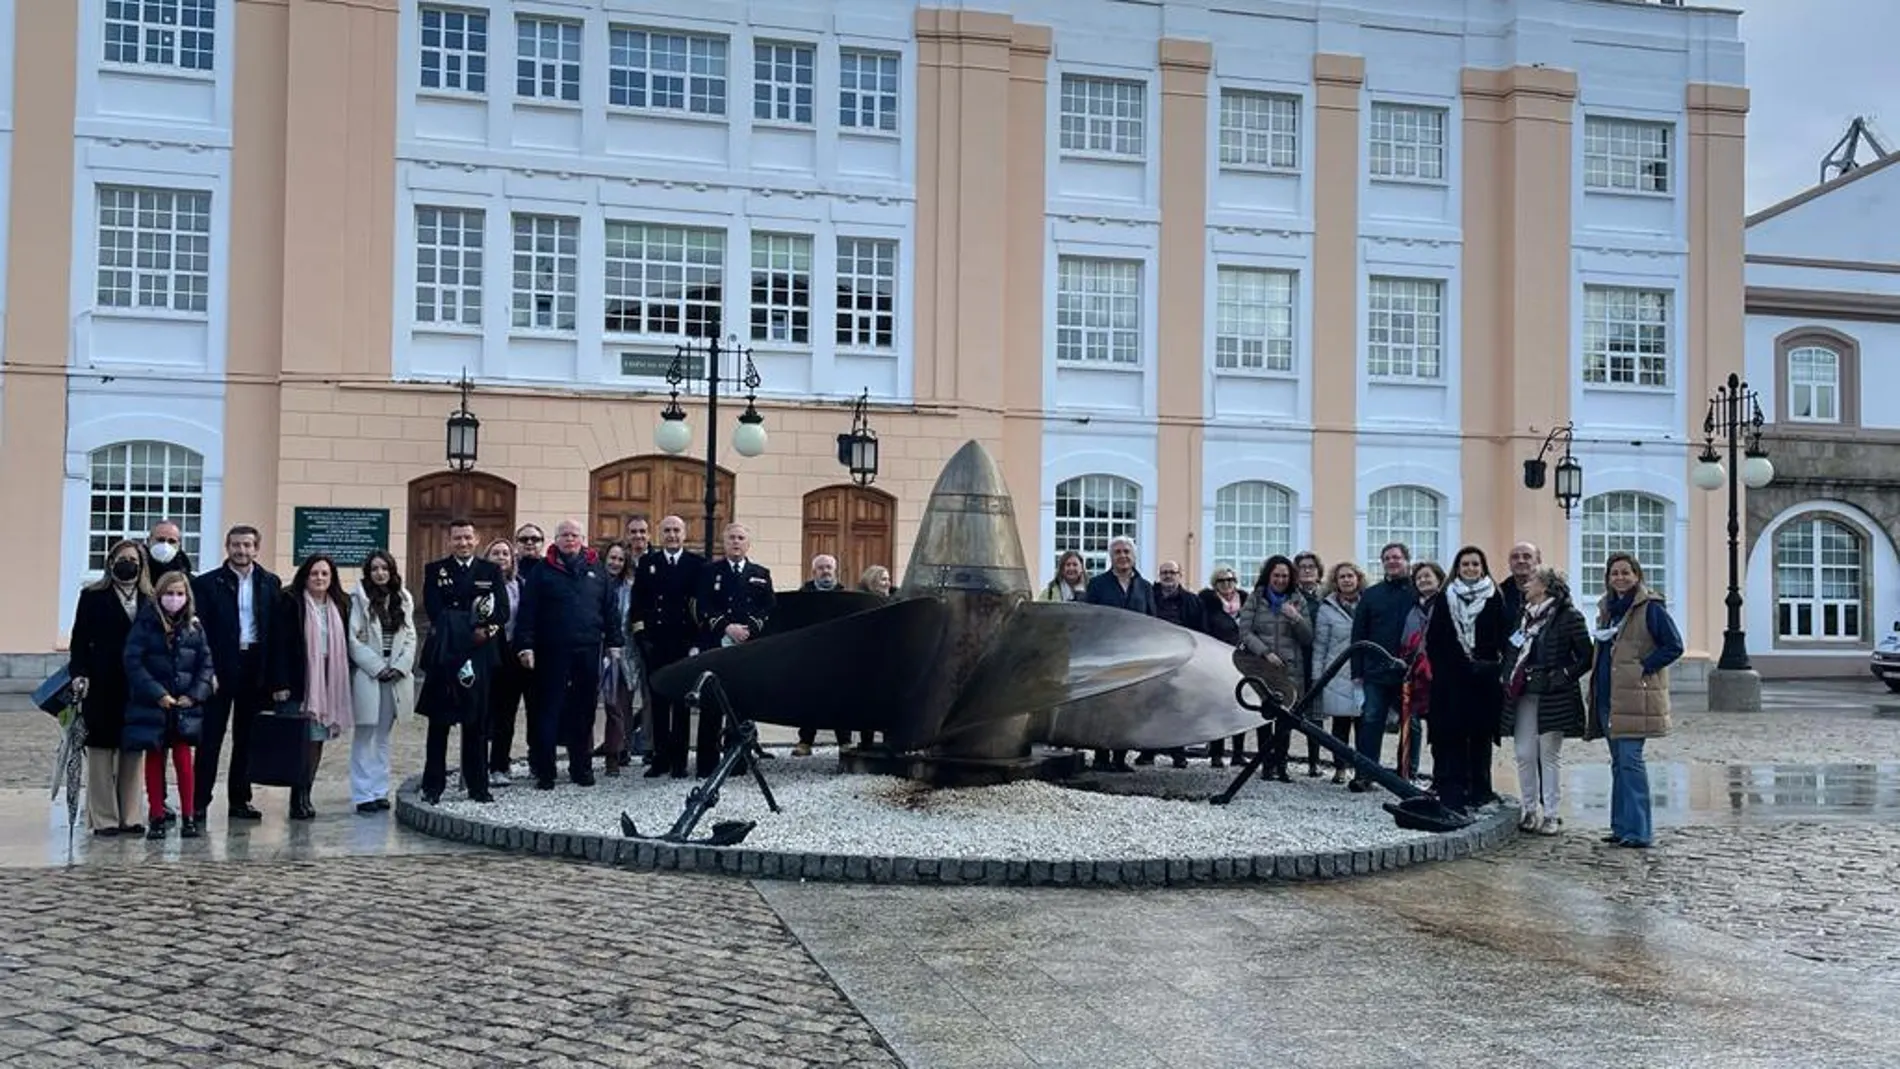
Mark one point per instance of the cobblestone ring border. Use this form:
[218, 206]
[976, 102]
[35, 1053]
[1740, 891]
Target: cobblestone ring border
[1488, 833]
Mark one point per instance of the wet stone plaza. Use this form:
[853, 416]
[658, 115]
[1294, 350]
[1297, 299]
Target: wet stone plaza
[1762, 930]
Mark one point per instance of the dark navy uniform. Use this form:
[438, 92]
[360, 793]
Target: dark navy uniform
[730, 592]
[568, 614]
[467, 605]
[664, 586]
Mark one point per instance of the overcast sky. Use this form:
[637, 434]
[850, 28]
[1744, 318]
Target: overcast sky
[1812, 66]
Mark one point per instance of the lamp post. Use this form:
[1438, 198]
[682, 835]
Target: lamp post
[1735, 418]
[857, 451]
[674, 435]
[464, 432]
[1568, 488]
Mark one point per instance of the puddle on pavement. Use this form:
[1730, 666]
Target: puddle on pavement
[1688, 793]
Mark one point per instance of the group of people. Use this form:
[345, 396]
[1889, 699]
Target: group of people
[1467, 660]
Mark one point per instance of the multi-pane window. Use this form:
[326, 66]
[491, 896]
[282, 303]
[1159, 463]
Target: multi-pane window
[782, 82]
[1408, 514]
[867, 293]
[454, 49]
[181, 34]
[1104, 115]
[1818, 582]
[781, 288]
[664, 280]
[1091, 511]
[449, 266]
[867, 90]
[548, 59]
[1098, 310]
[1408, 142]
[1259, 130]
[1252, 521]
[1405, 328]
[666, 71]
[154, 249]
[1626, 155]
[1814, 385]
[546, 253]
[1626, 522]
[1253, 320]
[1625, 337]
[136, 484]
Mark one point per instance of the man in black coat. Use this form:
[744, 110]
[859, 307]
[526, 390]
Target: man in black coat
[665, 581]
[568, 618]
[734, 600]
[235, 606]
[824, 579]
[1182, 607]
[1380, 619]
[466, 600]
[165, 551]
[1121, 587]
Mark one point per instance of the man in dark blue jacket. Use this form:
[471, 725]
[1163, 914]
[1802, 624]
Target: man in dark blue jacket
[1380, 619]
[235, 602]
[1121, 587]
[568, 618]
[663, 625]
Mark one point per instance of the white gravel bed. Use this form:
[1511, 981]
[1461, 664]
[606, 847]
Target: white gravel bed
[829, 812]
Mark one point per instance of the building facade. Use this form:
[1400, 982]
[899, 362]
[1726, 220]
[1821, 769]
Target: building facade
[1823, 304]
[1307, 275]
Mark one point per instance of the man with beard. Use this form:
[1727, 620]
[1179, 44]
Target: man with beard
[466, 600]
[568, 617]
[236, 604]
[663, 587]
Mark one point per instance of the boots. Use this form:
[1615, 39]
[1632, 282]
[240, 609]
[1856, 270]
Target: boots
[300, 808]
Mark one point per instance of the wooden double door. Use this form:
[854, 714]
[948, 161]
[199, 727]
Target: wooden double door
[439, 499]
[855, 524]
[657, 487]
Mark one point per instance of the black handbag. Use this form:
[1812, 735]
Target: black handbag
[55, 695]
[280, 748]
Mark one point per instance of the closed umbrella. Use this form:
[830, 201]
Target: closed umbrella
[68, 764]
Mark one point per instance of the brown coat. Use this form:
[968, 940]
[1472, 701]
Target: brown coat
[1639, 704]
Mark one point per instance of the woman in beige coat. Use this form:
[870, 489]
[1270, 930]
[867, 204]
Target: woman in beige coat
[382, 682]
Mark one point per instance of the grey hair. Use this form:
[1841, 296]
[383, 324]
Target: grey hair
[1122, 540]
[1556, 585]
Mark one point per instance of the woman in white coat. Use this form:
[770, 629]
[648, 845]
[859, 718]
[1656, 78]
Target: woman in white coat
[383, 686]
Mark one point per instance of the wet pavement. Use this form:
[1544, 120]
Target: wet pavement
[1761, 931]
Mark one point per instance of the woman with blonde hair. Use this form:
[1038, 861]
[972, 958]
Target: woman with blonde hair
[102, 620]
[1072, 579]
[168, 673]
[1332, 636]
[876, 580]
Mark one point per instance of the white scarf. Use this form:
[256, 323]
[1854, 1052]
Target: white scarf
[1464, 601]
[1536, 617]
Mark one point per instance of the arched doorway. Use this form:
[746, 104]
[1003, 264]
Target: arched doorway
[856, 524]
[440, 498]
[657, 486]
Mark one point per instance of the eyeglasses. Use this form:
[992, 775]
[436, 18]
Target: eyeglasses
[1225, 579]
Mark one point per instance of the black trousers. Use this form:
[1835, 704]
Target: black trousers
[568, 680]
[229, 712]
[808, 736]
[1461, 764]
[672, 721]
[509, 685]
[474, 756]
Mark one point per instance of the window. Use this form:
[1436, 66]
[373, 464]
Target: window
[1624, 522]
[454, 50]
[548, 59]
[666, 71]
[665, 280]
[1814, 385]
[1817, 581]
[1103, 115]
[154, 249]
[867, 293]
[1090, 511]
[1407, 514]
[867, 90]
[135, 485]
[1625, 155]
[449, 266]
[781, 288]
[180, 34]
[545, 253]
[1252, 521]
[1408, 142]
[1253, 320]
[1625, 337]
[1259, 130]
[1098, 311]
[782, 82]
[1405, 328]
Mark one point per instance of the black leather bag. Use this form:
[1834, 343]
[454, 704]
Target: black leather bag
[280, 748]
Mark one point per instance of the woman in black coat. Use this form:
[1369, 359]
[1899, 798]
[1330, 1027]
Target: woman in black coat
[101, 622]
[1466, 641]
[1220, 616]
[168, 672]
[1543, 695]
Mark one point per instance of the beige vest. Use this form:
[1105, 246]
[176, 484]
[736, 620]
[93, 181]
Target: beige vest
[1639, 706]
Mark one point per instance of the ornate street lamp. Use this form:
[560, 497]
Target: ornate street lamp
[1734, 418]
[1568, 488]
[857, 451]
[464, 432]
[675, 434]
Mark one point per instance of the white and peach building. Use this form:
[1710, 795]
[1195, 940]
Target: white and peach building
[1234, 278]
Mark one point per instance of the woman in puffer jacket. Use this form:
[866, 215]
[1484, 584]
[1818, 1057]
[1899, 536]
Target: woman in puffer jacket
[1332, 636]
[168, 677]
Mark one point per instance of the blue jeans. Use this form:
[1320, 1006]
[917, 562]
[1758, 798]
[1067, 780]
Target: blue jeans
[1382, 698]
[1629, 792]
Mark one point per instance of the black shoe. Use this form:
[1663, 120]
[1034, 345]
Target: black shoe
[366, 809]
[1611, 838]
[1359, 786]
[581, 781]
[1280, 774]
[1217, 762]
[131, 829]
[245, 811]
[655, 771]
[1145, 759]
[544, 784]
[679, 773]
[167, 817]
[381, 803]
[1312, 770]
[432, 797]
[484, 798]
[157, 830]
[1180, 762]
[303, 812]
[105, 833]
[188, 829]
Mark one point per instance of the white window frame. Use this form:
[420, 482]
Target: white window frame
[548, 59]
[461, 52]
[1409, 143]
[1253, 520]
[451, 257]
[1805, 376]
[1093, 510]
[1405, 328]
[689, 74]
[870, 88]
[785, 83]
[1103, 118]
[1627, 521]
[1398, 514]
[1823, 578]
[1628, 156]
[649, 267]
[546, 256]
[781, 315]
[1256, 320]
[167, 36]
[866, 293]
[152, 251]
[1626, 338]
[172, 488]
[1099, 312]
[1259, 131]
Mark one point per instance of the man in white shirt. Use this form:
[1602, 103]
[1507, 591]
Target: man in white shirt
[234, 607]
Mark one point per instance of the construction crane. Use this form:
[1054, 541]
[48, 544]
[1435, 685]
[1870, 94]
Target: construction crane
[1842, 158]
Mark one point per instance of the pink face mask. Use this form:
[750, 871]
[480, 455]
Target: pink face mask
[173, 604]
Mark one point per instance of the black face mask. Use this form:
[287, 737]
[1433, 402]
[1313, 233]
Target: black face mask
[125, 569]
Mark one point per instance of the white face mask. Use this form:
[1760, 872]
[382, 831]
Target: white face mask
[163, 552]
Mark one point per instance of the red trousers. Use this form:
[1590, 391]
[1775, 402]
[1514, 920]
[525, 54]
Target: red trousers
[155, 780]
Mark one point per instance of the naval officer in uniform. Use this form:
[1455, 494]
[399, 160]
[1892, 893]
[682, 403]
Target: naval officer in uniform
[734, 600]
[466, 601]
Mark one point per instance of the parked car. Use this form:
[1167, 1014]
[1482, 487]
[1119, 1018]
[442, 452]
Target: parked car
[1886, 663]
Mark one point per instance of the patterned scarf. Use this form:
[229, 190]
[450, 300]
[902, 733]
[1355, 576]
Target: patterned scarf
[1536, 618]
[1464, 601]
